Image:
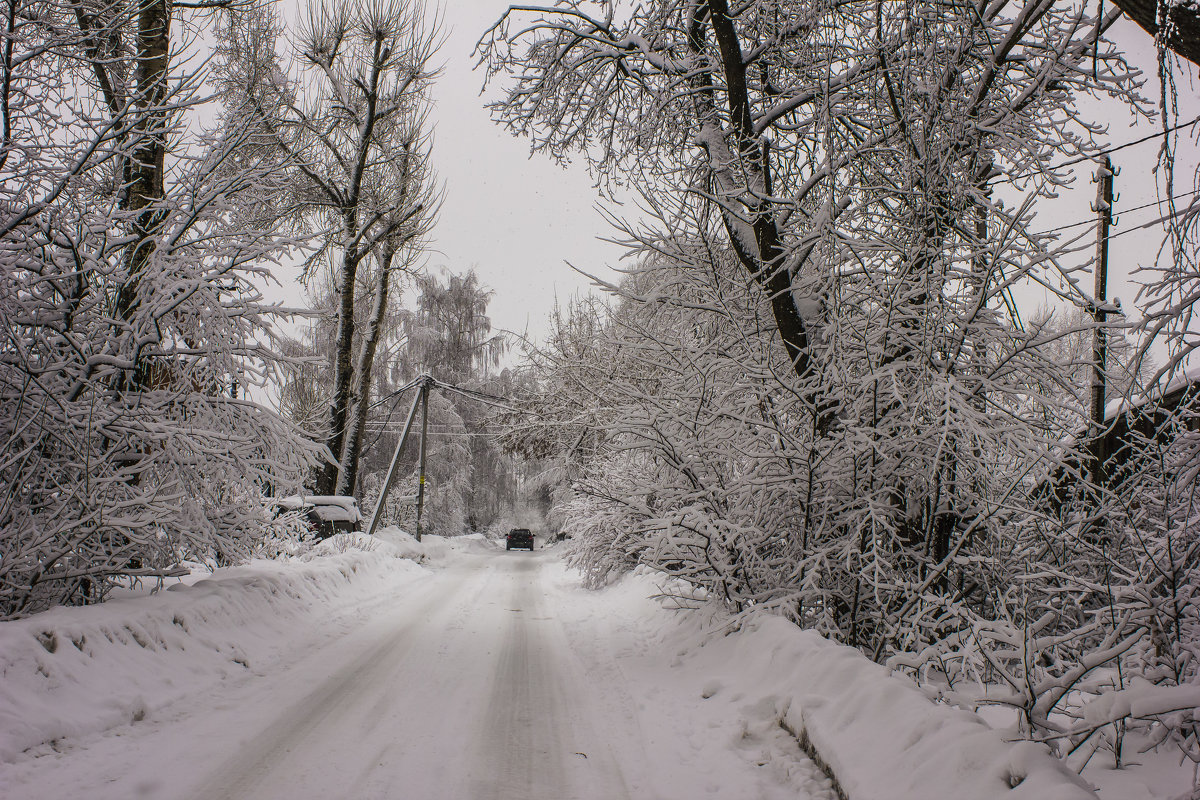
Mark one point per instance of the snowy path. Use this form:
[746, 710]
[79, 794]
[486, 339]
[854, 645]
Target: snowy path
[496, 677]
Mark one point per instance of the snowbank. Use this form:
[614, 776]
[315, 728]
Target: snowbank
[74, 671]
[436, 549]
[390, 541]
[876, 732]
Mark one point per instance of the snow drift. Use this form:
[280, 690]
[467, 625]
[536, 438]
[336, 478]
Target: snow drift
[69, 672]
[877, 734]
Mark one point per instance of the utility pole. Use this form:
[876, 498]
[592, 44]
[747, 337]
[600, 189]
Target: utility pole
[421, 460]
[979, 275]
[391, 473]
[1103, 208]
[423, 385]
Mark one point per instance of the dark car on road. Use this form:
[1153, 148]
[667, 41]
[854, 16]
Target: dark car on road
[518, 538]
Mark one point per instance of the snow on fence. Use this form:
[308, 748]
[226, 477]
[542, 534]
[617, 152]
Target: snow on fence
[69, 672]
[877, 734]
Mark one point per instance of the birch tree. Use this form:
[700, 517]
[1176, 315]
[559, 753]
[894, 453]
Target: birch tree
[447, 333]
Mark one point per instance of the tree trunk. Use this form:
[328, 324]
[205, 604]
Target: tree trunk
[339, 408]
[146, 170]
[758, 245]
[362, 371]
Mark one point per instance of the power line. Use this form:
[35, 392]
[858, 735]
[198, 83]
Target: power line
[1092, 156]
[1117, 213]
[483, 397]
[1079, 248]
[448, 434]
[378, 429]
[1151, 223]
[414, 382]
[396, 392]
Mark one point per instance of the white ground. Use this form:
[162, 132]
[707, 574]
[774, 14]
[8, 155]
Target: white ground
[456, 670]
[493, 676]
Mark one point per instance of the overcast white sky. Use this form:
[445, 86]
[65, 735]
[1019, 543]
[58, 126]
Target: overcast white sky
[515, 219]
[1137, 183]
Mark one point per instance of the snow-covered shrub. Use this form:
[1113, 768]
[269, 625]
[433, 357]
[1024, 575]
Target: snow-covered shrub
[133, 325]
[686, 448]
[607, 536]
[1093, 642]
[1154, 518]
[286, 534]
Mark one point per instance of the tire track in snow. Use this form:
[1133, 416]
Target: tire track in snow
[344, 692]
[493, 678]
[518, 740]
[534, 743]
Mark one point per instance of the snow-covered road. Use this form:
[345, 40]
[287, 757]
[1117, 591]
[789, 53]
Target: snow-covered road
[494, 676]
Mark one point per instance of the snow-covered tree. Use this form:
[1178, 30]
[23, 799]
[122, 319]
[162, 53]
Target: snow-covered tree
[809, 127]
[447, 334]
[350, 121]
[817, 376]
[134, 324]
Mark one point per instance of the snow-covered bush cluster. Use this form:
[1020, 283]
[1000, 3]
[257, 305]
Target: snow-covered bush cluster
[132, 314]
[814, 394]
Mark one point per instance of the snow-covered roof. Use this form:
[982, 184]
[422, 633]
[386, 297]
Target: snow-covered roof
[345, 501]
[334, 508]
[328, 507]
[1177, 381]
[292, 502]
[336, 513]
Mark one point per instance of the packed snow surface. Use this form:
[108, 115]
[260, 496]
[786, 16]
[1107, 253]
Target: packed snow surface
[457, 669]
[477, 673]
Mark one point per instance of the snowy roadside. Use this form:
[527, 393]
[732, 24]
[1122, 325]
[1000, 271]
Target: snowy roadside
[72, 672]
[876, 732]
[682, 692]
